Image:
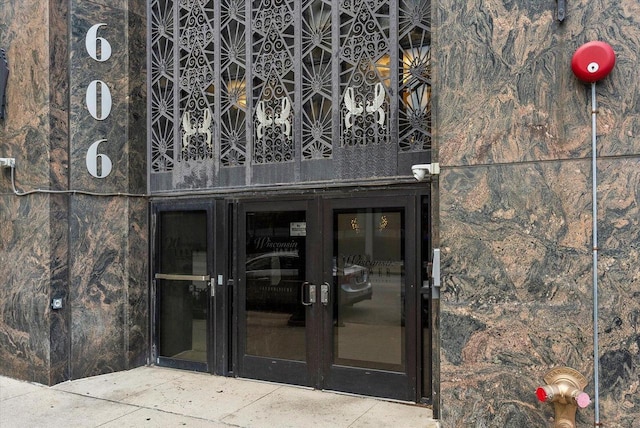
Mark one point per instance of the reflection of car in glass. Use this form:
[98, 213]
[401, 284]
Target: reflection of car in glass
[274, 280]
[354, 283]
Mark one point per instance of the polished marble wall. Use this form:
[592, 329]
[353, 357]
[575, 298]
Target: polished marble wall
[89, 250]
[514, 142]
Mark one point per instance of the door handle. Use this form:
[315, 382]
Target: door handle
[312, 293]
[324, 293]
[180, 277]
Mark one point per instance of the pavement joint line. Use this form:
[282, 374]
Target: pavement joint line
[362, 414]
[138, 407]
[156, 409]
[262, 397]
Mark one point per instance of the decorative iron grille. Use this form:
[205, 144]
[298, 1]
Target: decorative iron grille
[316, 68]
[196, 38]
[365, 71]
[162, 97]
[233, 73]
[273, 80]
[280, 81]
[415, 75]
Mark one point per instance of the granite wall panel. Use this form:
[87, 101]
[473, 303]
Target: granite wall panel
[138, 313]
[24, 269]
[137, 98]
[514, 139]
[506, 90]
[44, 251]
[59, 328]
[111, 70]
[98, 280]
[25, 235]
[108, 238]
[137, 267]
[518, 296]
[60, 345]
[109, 294]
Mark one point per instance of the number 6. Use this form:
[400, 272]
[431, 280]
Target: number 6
[94, 158]
[91, 42]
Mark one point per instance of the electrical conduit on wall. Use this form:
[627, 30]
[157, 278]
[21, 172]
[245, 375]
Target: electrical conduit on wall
[592, 62]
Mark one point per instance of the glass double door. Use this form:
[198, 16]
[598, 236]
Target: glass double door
[326, 289]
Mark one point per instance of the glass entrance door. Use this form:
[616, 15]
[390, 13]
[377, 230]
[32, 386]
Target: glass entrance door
[368, 342]
[328, 288]
[275, 314]
[182, 287]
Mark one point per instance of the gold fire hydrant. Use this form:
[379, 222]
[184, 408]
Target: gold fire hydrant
[565, 390]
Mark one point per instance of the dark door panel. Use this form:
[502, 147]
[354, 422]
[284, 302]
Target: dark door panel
[181, 275]
[369, 345]
[274, 262]
[326, 291]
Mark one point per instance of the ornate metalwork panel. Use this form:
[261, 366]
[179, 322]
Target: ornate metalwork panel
[273, 80]
[415, 75]
[196, 38]
[163, 114]
[233, 73]
[316, 68]
[237, 83]
[364, 71]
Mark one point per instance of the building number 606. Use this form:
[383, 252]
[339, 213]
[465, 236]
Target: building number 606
[98, 101]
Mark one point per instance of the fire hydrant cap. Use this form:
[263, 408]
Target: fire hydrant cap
[583, 400]
[542, 395]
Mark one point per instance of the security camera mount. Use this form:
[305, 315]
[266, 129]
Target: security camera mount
[421, 170]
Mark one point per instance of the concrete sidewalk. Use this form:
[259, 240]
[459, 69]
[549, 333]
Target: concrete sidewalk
[161, 397]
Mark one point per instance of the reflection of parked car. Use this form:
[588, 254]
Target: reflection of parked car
[274, 280]
[354, 284]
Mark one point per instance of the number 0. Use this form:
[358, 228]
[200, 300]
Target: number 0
[91, 99]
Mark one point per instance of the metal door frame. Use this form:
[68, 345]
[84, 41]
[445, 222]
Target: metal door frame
[321, 205]
[285, 371]
[385, 384]
[157, 207]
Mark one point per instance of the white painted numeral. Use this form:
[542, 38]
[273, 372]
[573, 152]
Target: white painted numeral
[98, 164]
[98, 101]
[92, 100]
[91, 42]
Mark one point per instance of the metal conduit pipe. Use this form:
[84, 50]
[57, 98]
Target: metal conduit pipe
[592, 62]
[594, 197]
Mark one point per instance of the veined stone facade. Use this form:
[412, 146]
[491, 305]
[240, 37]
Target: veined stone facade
[513, 130]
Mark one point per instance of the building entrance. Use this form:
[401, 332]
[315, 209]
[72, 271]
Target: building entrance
[326, 292]
[322, 291]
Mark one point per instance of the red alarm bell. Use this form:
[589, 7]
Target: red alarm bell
[593, 61]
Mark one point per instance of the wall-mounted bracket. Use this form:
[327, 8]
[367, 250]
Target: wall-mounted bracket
[7, 162]
[562, 10]
[4, 77]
